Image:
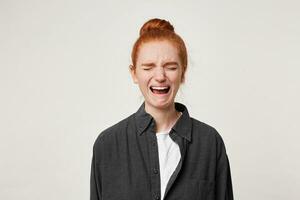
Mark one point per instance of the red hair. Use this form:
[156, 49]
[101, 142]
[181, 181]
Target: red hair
[159, 29]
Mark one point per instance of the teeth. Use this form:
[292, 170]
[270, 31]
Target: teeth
[159, 88]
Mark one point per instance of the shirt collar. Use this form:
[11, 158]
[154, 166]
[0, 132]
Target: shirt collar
[183, 125]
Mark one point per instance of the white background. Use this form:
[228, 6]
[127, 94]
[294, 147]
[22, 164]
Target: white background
[64, 78]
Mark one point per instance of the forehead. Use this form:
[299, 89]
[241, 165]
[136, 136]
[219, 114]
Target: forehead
[157, 51]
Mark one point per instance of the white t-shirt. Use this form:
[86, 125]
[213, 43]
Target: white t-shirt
[169, 157]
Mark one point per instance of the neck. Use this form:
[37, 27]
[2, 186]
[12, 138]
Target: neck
[164, 118]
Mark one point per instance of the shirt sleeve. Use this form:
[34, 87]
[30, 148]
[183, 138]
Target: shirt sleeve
[223, 182]
[95, 186]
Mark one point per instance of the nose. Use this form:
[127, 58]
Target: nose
[160, 74]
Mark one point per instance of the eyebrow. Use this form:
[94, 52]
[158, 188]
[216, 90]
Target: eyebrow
[148, 64]
[152, 64]
[171, 63]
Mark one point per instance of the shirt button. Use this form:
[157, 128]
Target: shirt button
[153, 143]
[157, 197]
[155, 171]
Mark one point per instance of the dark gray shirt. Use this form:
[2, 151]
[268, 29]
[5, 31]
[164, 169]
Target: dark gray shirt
[125, 163]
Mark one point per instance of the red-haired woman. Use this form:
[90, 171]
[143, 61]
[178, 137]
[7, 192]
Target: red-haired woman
[160, 152]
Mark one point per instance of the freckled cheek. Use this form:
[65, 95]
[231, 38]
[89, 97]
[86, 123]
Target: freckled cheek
[144, 84]
[174, 78]
[147, 79]
[143, 77]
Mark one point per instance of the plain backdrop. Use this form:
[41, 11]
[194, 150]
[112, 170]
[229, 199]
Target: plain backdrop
[64, 78]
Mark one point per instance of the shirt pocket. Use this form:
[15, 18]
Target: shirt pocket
[198, 189]
[206, 190]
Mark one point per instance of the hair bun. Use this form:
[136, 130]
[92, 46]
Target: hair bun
[156, 24]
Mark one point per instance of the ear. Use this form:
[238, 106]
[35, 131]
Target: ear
[183, 78]
[133, 73]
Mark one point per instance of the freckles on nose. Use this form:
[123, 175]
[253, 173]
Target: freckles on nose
[160, 76]
[160, 73]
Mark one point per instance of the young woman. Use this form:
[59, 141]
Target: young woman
[160, 152]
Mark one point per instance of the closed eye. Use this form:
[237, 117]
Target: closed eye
[146, 68]
[171, 65]
[172, 68]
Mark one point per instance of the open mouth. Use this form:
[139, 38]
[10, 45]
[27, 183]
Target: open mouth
[160, 90]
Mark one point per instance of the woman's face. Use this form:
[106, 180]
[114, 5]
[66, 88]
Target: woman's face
[158, 73]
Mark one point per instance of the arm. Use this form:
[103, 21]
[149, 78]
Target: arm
[223, 182]
[95, 186]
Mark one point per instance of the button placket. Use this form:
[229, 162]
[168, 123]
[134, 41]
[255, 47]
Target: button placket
[154, 162]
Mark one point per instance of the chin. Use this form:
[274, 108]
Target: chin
[160, 104]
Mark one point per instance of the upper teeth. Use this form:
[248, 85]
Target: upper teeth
[159, 88]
